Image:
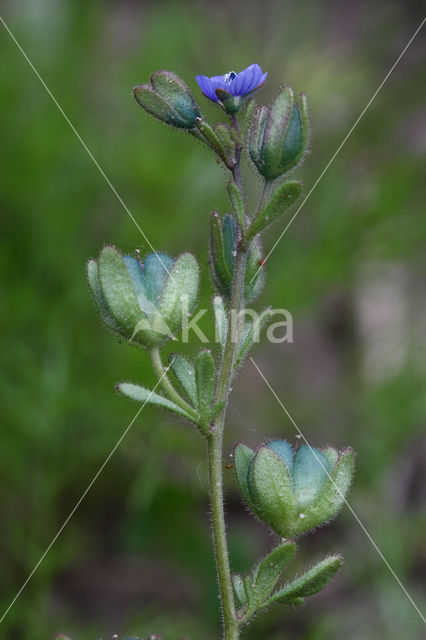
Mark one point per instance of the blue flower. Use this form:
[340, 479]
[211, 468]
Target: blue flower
[230, 89]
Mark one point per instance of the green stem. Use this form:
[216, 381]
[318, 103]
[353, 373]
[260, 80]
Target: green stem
[173, 395]
[264, 197]
[215, 440]
[215, 458]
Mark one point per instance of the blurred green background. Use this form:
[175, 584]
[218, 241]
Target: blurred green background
[135, 558]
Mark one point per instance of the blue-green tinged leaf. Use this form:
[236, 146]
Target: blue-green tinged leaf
[149, 278]
[309, 583]
[144, 303]
[285, 451]
[290, 492]
[311, 472]
[146, 396]
[185, 373]
[264, 577]
[331, 497]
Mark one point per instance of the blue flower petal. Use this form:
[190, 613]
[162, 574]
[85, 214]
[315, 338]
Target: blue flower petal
[241, 84]
[206, 87]
[247, 79]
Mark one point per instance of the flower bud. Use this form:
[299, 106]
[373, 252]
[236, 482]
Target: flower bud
[169, 99]
[223, 252]
[279, 135]
[145, 303]
[293, 492]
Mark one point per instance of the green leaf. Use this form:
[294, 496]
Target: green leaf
[239, 592]
[251, 334]
[213, 140]
[156, 106]
[258, 126]
[185, 373]
[243, 457]
[221, 273]
[264, 577]
[237, 203]
[309, 583]
[221, 322]
[169, 99]
[248, 114]
[93, 278]
[217, 408]
[146, 396]
[297, 134]
[180, 291]
[255, 277]
[177, 94]
[230, 239]
[284, 197]
[205, 383]
[271, 489]
[331, 454]
[118, 290]
[280, 113]
[223, 133]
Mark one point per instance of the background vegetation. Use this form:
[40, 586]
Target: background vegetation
[136, 557]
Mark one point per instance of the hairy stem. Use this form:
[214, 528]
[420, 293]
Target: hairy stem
[171, 392]
[215, 458]
[215, 440]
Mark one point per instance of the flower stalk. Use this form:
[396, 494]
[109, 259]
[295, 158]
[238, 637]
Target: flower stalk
[290, 490]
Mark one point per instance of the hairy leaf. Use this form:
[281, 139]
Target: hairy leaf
[312, 581]
[146, 396]
[264, 577]
[185, 373]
